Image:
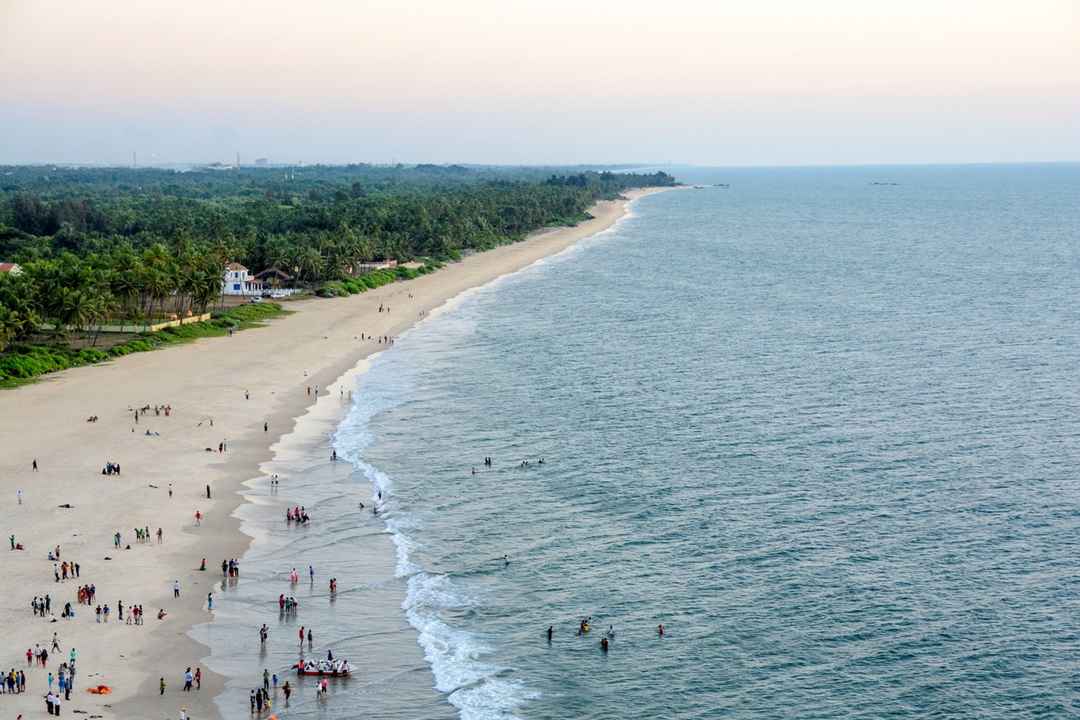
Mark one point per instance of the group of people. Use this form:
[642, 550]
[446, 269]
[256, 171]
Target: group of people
[13, 682]
[192, 679]
[41, 606]
[260, 699]
[142, 535]
[65, 570]
[134, 616]
[230, 568]
[85, 594]
[287, 605]
[65, 680]
[297, 514]
[158, 410]
[111, 468]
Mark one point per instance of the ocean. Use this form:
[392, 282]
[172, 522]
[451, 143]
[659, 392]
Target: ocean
[822, 424]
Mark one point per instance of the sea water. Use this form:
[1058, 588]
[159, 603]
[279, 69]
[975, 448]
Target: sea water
[821, 424]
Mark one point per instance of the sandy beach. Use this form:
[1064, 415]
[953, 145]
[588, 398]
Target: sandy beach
[246, 391]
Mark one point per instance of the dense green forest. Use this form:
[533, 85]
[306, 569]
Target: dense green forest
[97, 243]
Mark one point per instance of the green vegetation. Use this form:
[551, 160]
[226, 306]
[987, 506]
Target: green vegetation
[106, 245]
[25, 361]
[376, 278]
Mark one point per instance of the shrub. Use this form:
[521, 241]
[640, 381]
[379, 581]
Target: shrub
[21, 363]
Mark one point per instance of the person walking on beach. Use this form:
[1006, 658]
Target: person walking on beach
[161, 686]
[198, 678]
[301, 637]
[210, 602]
[188, 680]
[34, 465]
[176, 588]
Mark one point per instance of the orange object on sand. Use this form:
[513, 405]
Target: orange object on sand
[100, 690]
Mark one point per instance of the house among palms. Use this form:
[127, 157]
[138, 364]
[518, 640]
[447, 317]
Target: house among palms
[238, 281]
[9, 269]
[274, 278]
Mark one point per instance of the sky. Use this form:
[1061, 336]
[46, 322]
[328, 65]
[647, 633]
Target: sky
[717, 82]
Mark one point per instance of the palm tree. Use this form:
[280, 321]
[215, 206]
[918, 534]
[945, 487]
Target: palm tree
[309, 263]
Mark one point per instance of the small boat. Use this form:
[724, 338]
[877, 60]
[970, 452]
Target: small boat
[324, 668]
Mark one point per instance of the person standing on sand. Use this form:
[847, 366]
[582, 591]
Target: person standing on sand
[198, 678]
[34, 465]
[176, 588]
[161, 686]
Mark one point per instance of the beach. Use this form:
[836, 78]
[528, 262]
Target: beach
[239, 394]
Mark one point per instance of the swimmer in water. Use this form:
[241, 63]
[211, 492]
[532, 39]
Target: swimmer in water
[660, 629]
[506, 560]
[604, 644]
[611, 631]
[550, 632]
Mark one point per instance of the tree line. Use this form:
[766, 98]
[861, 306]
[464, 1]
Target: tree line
[97, 243]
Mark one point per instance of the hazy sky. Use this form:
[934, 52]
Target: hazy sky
[551, 81]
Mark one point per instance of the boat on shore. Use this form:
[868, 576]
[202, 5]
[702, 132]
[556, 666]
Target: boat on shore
[324, 668]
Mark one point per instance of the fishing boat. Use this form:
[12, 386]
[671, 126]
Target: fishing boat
[324, 668]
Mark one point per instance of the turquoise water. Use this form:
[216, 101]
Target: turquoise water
[827, 432]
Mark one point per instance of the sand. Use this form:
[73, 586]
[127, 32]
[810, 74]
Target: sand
[201, 381]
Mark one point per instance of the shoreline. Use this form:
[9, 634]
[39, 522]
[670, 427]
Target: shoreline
[202, 380]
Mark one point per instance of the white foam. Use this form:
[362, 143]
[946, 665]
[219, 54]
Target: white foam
[456, 656]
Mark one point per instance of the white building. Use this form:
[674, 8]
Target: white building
[237, 281]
